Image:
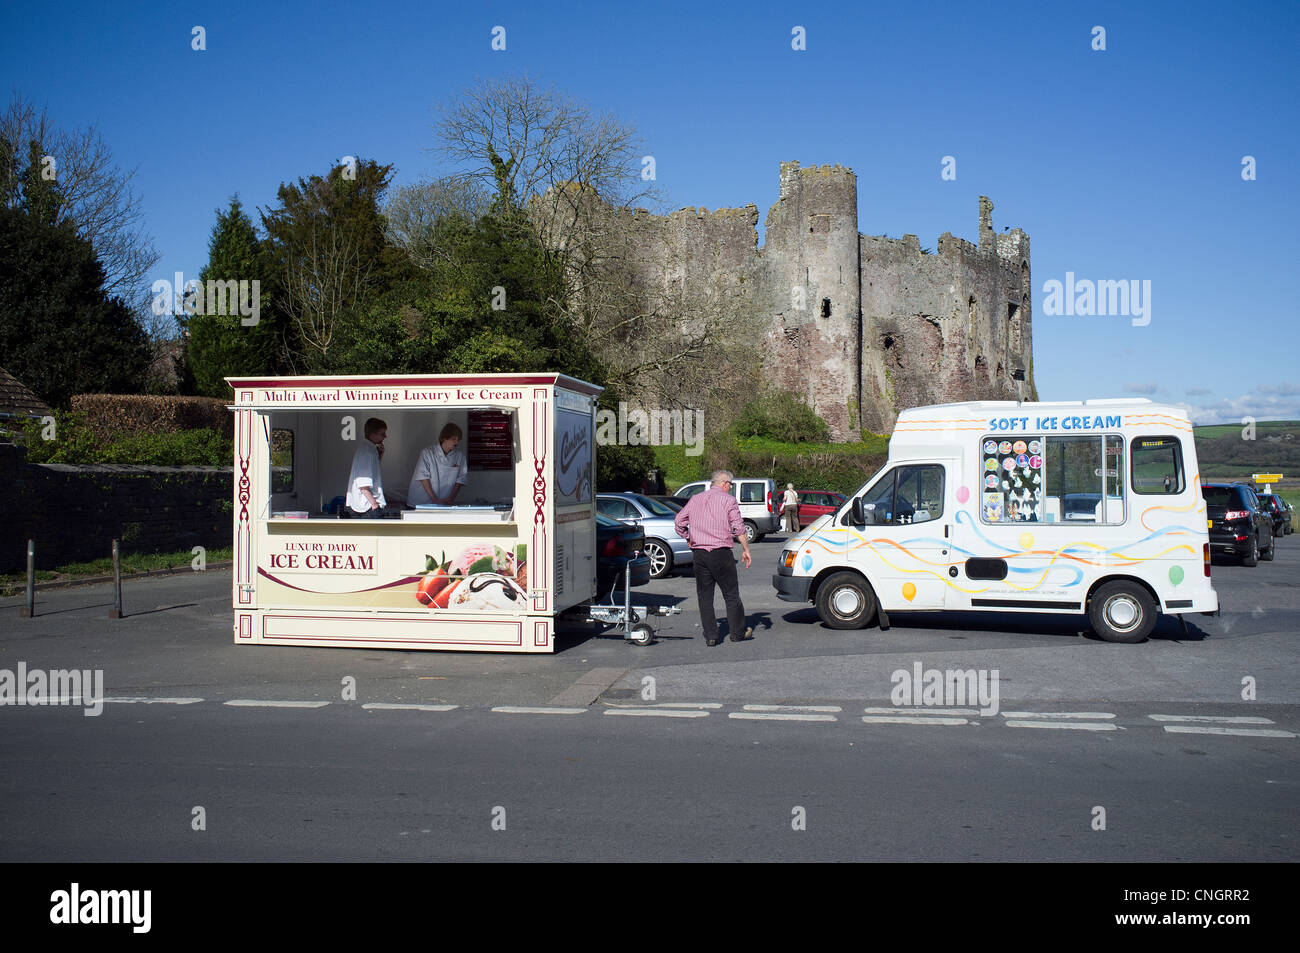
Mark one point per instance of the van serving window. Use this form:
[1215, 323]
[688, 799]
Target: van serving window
[1052, 479]
[1157, 465]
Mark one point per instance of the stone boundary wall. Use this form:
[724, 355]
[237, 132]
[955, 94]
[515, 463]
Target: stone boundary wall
[74, 512]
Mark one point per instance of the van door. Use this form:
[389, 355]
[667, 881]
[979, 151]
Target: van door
[903, 548]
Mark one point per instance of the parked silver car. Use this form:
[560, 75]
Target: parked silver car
[663, 544]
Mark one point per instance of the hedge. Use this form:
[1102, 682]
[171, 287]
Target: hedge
[114, 416]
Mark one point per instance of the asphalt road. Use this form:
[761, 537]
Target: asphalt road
[673, 751]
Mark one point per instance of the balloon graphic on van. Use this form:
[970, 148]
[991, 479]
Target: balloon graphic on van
[1026, 541]
[909, 591]
[807, 562]
[963, 494]
[1175, 574]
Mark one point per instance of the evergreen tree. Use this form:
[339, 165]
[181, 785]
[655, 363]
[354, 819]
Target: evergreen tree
[221, 346]
[60, 333]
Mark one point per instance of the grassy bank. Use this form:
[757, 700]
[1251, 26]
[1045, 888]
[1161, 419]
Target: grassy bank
[810, 466]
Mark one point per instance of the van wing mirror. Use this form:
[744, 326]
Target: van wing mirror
[856, 514]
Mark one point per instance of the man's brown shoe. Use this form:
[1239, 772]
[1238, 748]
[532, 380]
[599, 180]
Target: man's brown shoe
[749, 634]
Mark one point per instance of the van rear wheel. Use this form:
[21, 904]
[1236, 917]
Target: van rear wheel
[846, 601]
[1122, 611]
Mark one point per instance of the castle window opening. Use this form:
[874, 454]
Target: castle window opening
[1018, 374]
[826, 307]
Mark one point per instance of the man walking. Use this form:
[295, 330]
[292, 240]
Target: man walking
[709, 521]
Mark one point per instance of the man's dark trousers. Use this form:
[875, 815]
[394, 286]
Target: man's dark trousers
[718, 566]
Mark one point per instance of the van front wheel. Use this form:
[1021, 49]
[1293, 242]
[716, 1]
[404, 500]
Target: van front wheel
[1122, 611]
[846, 601]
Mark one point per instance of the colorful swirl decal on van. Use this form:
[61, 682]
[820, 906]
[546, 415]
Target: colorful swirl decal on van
[1062, 568]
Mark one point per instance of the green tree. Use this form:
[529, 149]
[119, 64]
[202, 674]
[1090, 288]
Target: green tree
[221, 346]
[329, 255]
[60, 332]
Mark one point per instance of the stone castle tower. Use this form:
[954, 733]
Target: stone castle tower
[860, 326]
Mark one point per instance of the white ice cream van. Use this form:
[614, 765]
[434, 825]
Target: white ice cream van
[1072, 507]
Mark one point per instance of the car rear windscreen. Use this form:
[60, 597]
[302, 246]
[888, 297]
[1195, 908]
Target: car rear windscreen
[1221, 496]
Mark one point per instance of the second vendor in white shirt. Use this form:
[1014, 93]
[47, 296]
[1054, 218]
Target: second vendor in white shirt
[441, 470]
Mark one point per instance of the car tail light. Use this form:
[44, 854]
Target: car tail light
[613, 547]
[1236, 514]
[771, 501]
[1205, 555]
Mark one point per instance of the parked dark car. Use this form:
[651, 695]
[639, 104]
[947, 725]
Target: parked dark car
[817, 503]
[1238, 524]
[617, 546]
[1277, 512]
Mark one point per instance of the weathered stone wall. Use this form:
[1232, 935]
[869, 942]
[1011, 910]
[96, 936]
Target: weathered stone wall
[860, 326]
[75, 512]
[944, 327]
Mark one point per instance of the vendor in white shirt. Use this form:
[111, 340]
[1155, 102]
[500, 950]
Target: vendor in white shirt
[365, 481]
[440, 472]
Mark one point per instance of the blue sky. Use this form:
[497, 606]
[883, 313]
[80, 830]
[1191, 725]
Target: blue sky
[1120, 164]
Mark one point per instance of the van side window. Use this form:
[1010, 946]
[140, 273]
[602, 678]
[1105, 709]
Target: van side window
[910, 494]
[752, 493]
[687, 492]
[920, 494]
[1157, 465]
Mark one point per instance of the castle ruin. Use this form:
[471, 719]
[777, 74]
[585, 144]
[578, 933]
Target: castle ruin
[861, 326]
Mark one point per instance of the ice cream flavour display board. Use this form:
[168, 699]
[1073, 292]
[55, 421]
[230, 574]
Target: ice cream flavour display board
[488, 573]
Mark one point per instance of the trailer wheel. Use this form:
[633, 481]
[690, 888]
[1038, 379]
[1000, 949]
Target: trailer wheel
[846, 601]
[1122, 611]
[641, 634]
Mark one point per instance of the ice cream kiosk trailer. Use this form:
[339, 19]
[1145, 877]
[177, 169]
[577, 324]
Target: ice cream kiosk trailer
[488, 572]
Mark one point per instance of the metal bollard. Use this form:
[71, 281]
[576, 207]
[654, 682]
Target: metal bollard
[116, 611]
[29, 610]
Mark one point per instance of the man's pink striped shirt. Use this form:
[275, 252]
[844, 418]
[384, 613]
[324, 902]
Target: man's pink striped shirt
[710, 519]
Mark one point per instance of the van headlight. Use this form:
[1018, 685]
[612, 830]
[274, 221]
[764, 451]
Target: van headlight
[787, 558]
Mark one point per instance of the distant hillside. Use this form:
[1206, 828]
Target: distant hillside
[1222, 451]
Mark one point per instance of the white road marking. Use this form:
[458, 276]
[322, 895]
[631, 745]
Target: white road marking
[389, 706]
[641, 705]
[922, 711]
[780, 716]
[827, 708]
[1076, 725]
[1217, 730]
[1220, 719]
[538, 710]
[657, 712]
[263, 703]
[906, 720]
[127, 700]
[1058, 714]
